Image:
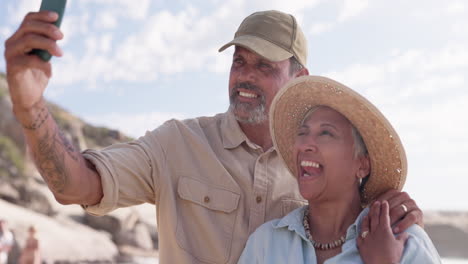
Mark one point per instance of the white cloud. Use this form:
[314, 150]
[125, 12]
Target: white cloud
[348, 10]
[5, 32]
[126, 9]
[19, 9]
[75, 27]
[134, 125]
[296, 7]
[456, 8]
[425, 73]
[319, 28]
[352, 8]
[106, 20]
[359, 75]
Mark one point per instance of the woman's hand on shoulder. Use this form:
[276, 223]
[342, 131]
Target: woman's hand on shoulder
[376, 243]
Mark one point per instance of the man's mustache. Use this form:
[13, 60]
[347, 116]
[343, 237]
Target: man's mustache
[247, 86]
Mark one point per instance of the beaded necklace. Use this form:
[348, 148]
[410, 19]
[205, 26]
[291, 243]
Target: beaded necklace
[318, 245]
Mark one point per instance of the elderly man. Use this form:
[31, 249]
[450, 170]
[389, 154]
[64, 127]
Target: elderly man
[213, 180]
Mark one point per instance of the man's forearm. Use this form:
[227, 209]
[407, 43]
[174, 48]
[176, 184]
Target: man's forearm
[61, 165]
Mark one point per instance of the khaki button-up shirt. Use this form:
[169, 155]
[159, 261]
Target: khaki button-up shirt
[212, 187]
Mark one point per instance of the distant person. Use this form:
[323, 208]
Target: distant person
[213, 180]
[6, 241]
[344, 153]
[31, 253]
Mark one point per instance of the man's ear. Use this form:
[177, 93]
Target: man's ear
[303, 72]
[364, 167]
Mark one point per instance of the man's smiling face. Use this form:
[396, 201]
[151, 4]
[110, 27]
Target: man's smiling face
[253, 83]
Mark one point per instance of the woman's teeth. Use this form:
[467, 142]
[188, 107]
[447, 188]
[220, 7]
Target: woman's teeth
[305, 163]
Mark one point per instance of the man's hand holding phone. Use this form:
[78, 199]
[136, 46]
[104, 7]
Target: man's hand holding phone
[57, 6]
[28, 74]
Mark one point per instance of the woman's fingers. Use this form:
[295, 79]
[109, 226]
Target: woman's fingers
[365, 229]
[374, 216]
[385, 215]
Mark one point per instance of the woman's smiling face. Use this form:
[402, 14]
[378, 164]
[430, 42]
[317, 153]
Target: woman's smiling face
[325, 156]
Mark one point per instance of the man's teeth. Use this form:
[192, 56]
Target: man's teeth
[249, 95]
[305, 163]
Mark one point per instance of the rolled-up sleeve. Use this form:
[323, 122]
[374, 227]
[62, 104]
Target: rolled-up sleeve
[128, 173]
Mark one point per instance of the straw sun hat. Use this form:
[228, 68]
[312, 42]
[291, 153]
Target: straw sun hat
[386, 153]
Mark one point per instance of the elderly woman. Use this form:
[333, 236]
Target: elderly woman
[343, 153]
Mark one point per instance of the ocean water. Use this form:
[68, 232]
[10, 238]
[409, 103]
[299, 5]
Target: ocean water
[444, 261]
[143, 260]
[454, 261]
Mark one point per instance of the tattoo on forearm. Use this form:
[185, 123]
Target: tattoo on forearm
[67, 145]
[51, 153]
[39, 120]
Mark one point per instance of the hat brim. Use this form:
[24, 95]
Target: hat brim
[260, 46]
[386, 152]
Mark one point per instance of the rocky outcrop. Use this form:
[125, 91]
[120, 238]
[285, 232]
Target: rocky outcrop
[67, 234]
[61, 239]
[449, 232]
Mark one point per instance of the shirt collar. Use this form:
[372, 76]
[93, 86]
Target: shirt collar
[231, 132]
[355, 228]
[293, 221]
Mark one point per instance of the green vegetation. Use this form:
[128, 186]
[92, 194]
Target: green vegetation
[101, 136]
[10, 154]
[3, 92]
[3, 88]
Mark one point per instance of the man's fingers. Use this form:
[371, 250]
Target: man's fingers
[403, 237]
[397, 199]
[36, 32]
[37, 22]
[401, 210]
[388, 195]
[374, 216]
[41, 28]
[413, 217]
[30, 42]
[46, 16]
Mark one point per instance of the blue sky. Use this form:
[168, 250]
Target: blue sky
[131, 65]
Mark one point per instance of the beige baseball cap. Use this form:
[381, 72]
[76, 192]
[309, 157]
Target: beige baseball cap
[273, 35]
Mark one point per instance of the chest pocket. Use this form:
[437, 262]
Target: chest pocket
[206, 215]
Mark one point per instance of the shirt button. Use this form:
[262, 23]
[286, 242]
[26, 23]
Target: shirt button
[206, 199]
[259, 199]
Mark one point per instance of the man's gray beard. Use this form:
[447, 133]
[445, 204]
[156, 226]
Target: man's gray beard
[256, 115]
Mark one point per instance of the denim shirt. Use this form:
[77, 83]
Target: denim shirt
[284, 241]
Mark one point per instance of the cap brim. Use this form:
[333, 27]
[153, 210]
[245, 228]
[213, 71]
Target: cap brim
[386, 152]
[261, 47]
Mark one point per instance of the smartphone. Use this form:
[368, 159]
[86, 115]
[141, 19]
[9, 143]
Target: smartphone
[57, 6]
